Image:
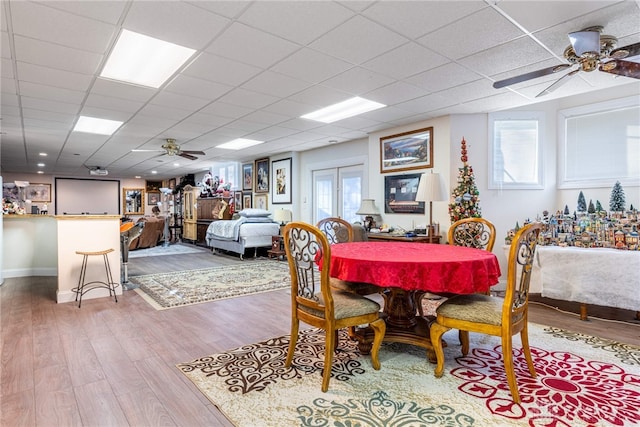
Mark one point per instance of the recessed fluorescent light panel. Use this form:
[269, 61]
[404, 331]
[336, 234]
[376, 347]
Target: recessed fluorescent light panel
[94, 125]
[342, 110]
[239, 144]
[144, 60]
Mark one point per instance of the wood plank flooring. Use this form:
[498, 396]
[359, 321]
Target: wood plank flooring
[114, 363]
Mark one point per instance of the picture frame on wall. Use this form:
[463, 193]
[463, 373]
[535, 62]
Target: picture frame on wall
[153, 186]
[407, 151]
[172, 183]
[247, 177]
[237, 200]
[400, 193]
[261, 201]
[38, 193]
[261, 172]
[153, 199]
[246, 200]
[281, 181]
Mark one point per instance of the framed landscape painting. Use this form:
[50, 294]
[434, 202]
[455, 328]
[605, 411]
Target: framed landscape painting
[407, 151]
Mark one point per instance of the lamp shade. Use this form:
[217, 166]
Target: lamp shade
[368, 207]
[282, 216]
[430, 188]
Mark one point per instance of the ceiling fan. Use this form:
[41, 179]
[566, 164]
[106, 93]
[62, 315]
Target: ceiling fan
[589, 50]
[172, 149]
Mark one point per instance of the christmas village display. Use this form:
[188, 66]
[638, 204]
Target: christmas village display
[592, 226]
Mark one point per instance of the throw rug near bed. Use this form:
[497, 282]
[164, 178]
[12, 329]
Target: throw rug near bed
[581, 381]
[180, 288]
[160, 250]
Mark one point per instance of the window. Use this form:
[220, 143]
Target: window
[600, 144]
[515, 150]
[228, 173]
[341, 200]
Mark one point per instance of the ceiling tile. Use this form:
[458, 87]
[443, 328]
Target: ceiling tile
[311, 66]
[347, 42]
[357, 81]
[55, 56]
[445, 76]
[221, 70]
[275, 84]
[39, 21]
[50, 77]
[405, 61]
[300, 22]
[251, 46]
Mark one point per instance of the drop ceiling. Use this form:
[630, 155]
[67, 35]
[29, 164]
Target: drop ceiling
[261, 65]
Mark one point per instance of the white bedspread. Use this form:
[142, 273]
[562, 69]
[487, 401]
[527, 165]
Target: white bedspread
[229, 229]
[607, 277]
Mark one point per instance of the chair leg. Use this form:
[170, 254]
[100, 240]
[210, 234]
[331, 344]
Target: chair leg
[379, 327]
[524, 337]
[292, 342]
[507, 353]
[436, 332]
[329, 348]
[464, 341]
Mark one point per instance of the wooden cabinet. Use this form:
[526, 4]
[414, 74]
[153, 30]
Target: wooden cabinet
[277, 248]
[402, 238]
[189, 213]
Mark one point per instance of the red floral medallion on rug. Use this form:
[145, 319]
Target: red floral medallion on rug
[568, 390]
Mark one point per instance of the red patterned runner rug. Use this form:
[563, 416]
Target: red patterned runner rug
[582, 381]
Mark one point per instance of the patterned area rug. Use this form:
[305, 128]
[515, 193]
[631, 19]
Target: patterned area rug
[173, 249]
[170, 290]
[581, 381]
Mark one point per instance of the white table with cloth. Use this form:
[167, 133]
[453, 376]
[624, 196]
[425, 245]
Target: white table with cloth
[605, 277]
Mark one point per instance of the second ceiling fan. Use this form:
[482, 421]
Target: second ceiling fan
[589, 51]
[172, 149]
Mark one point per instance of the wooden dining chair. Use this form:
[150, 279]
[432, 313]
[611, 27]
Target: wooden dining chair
[337, 230]
[314, 302]
[476, 233]
[485, 314]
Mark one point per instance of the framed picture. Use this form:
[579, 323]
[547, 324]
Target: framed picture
[237, 200]
[400, 194]
[38, 193]
[261, 172]
[260, 201]
[246, 201]
[407, 151]
[153, 186]
[153, 198]
[172, 183]
[281, 181]
[247, 177]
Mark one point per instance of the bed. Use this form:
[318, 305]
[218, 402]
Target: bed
[238, 235]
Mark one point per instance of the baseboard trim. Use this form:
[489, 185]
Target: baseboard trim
[26, 272]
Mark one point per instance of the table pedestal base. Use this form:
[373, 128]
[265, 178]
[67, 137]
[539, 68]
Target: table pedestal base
[402, 324]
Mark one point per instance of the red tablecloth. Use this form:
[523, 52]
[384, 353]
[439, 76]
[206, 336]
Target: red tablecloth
[416, 266]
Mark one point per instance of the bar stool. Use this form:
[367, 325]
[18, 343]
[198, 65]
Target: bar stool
[96, 284]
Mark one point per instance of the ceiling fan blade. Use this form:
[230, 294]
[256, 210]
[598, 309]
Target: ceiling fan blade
[622, 68]
[585, 41]
[187, 156]
[528, 76]
[626, 51]
[145, 151]
[562, 80]
[199, 153]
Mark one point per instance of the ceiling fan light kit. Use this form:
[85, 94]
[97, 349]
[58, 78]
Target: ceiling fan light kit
[589, 51]
[170, 148]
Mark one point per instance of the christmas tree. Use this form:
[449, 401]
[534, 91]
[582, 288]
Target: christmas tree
[592, 208]
[582, 204]
[616, 202]
[466, 195]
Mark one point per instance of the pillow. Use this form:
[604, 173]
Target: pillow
[252, 213]
[258, 219]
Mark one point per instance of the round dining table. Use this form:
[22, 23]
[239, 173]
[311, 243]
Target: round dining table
[403, 270]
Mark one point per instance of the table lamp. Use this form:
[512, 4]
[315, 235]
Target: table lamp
[368, 209]
[282, 216]
[430, 190]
